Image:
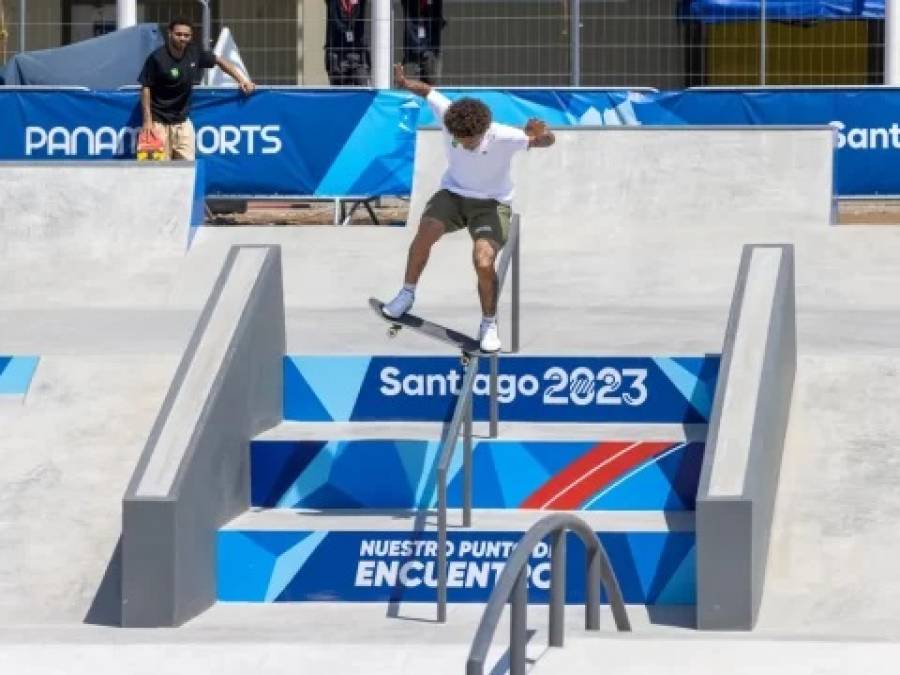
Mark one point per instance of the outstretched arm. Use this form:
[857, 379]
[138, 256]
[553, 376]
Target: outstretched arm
[414, 86]
[539, 136]
[146, 116]
[246, 85]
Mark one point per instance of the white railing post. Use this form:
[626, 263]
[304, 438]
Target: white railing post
[126, 13]
[381, 44]
[891, 43]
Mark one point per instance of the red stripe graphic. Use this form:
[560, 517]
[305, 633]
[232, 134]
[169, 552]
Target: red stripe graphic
[589, 474]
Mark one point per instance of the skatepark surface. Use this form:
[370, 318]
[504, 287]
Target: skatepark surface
[600, 276]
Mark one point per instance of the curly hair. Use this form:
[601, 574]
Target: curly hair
[467, 117]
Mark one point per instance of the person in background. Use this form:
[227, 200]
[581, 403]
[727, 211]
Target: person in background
[423, 23]
[346, 48]
[167, 81]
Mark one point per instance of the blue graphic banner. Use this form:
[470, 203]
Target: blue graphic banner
[548, 475]
[654, 568]
[296, 142]
[16, 373]
[340, 143]
[531, 388]
[786, 10]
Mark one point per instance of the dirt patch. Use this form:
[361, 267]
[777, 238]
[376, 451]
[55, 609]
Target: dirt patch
[387, 213]
[869, 212]
[392, 212]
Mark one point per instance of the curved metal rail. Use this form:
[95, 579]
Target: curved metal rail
[512, 587]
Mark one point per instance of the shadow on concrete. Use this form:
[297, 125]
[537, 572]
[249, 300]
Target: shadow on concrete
[106, 608]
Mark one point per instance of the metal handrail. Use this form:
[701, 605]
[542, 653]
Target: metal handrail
[512, 587]
[462, 413]
[510, 258]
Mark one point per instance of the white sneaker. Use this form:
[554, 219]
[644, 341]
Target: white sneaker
[399, 305]
[489, 337]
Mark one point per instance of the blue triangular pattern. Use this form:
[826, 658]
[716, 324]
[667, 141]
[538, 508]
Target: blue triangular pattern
[234, 550]
[689, 384]
[315, 474]
[336, 117]
[681, 588]
[332, 497]
[16, 374]
[4, 361]
[300, 402]
[554, 456]
[426, 491]
[486, 492]
[387, 113]
[275, 465]
[644, 489]
[335, 381]
[518, 471]
[385, 174]
[683, 472]
[647, 549]
[274, 543]
[692, 364]
[386, 487]
[453, 471]
[621, 556]
[291, 562]
[678, 546]
[412, 456]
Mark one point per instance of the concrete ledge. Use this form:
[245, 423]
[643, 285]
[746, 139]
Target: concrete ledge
[648, 177]
[739, 477]
[193, 475]
[96, 209]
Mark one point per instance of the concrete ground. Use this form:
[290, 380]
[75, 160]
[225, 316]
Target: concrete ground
[110, 332]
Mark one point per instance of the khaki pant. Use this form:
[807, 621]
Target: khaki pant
[178, 139]
[484, 218]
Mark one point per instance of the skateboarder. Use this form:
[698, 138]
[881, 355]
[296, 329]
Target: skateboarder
[476, 191]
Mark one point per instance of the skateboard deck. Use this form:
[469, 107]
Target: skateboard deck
[467, 345]
[150, 148]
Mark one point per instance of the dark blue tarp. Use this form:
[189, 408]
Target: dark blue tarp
[786, 10]
[106, 62]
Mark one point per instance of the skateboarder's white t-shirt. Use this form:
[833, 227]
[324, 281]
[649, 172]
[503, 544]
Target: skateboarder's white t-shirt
[483, 173]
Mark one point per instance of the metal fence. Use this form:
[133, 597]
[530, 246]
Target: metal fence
[667, 44]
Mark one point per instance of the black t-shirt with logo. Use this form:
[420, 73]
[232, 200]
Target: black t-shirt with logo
[171, 80]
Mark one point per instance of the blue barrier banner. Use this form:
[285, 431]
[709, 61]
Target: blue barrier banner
[328, 142]
[653, 568]
[866, 120]
[530, 388]
[342, 143]
[785, 10]
[866, 123]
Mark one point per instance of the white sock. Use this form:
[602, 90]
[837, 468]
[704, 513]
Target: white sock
[488, 320]
[410, 287]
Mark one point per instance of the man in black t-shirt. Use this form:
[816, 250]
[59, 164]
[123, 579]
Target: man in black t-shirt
[167, 80]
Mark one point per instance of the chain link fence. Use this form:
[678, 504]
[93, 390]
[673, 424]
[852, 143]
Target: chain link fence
[666, 44]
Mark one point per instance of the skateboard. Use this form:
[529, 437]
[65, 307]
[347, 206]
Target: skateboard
[150, 147]
[467, 345]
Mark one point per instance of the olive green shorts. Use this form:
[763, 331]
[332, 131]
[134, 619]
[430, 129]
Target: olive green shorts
[484, 218]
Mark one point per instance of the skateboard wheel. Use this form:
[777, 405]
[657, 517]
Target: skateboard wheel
[393, 330]
[464, 359]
